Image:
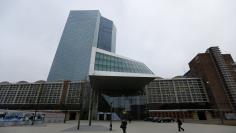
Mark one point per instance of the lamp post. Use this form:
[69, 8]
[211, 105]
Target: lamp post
[81, 106]
[111, 118]
[37, 103]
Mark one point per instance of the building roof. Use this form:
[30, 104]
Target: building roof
[40, 81]
[22, 82]
[4, 82]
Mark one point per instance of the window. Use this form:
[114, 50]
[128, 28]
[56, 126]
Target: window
[105, 62]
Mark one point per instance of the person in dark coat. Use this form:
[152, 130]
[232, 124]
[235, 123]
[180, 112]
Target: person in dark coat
[179, 125]
[123, 125]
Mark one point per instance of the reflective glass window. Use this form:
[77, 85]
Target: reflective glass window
[105, 62]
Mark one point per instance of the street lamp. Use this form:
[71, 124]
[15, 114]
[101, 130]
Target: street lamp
[111, 118]
[37, 104]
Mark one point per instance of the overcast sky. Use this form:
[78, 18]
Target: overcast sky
[164, 34]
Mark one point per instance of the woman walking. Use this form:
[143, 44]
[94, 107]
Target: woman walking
[123, 125]
[179, 125]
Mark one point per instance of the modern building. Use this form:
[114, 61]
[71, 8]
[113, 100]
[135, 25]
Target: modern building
[218, 73]
[86, 52]
[83, 31]
[87, 47]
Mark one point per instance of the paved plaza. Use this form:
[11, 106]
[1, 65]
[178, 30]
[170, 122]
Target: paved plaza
[134, 127]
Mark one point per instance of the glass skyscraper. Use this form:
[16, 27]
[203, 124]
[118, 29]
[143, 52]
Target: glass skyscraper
[87, 48]
[83, 30]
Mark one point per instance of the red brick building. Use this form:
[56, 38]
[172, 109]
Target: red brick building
[218, 72]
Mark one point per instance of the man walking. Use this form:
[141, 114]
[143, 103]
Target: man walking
[179, 125]
[123, 125]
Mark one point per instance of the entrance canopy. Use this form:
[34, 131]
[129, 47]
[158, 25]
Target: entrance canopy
[115, 85]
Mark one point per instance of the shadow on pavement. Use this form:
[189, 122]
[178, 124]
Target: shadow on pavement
[93, 128]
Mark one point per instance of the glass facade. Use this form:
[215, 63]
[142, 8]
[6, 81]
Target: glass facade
[176, 91]
[104, 62]
[125, 102]
[105, 34]
[50, 93]
[83, 30]
[46, 93]
[124, 107]
[72, 58]
[73, 93]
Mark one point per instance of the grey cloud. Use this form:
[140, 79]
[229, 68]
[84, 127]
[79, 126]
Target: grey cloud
[164, 34]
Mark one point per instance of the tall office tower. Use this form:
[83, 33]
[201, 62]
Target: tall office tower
[218, 72]
[87, 49]
[83, 30]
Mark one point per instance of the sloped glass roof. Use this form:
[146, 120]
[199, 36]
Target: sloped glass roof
[104, 62]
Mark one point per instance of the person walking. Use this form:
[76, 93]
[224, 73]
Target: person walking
[179, 125]
[123, 125]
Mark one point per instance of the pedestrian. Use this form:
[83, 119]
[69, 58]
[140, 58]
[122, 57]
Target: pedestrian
[123, 125]
[179, 125]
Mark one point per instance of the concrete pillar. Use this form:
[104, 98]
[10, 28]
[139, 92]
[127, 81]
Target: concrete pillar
[95, 105]
[208, 115]
[78, 117]
[195, 117]
[66, 117]
[91, 107]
